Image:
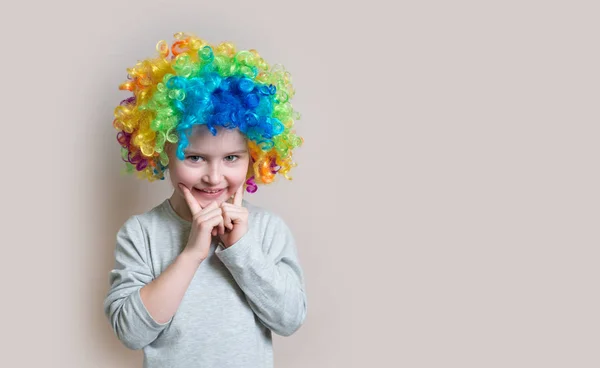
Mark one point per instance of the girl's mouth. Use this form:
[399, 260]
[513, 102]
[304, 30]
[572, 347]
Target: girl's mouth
[212, 193]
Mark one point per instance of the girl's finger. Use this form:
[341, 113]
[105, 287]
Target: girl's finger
[234, 215]
[214, 221]
[227, 220]
[214, 218]
[207, 213]
[192, 203]
[239, 194]
[211, 206]
[232, 208]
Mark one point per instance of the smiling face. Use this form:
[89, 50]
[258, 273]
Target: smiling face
[213, 169]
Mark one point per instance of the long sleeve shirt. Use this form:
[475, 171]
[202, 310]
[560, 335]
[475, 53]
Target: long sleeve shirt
[236, 298]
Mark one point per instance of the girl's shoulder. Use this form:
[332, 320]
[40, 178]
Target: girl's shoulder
[264, 219]
[162, 214]
[258, 213]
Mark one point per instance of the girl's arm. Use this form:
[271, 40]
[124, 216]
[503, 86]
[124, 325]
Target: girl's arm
[270, 275]
[164, 294]
[138, 306]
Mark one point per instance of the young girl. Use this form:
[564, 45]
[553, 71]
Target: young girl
[203, 278]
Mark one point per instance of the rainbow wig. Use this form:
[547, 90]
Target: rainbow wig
[213, 85]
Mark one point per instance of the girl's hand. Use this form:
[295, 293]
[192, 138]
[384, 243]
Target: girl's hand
[235, 219]
[206, 222]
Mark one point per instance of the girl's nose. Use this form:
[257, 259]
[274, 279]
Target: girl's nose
[213, 177]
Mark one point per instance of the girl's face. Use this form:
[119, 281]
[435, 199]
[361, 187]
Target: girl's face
[213, 169]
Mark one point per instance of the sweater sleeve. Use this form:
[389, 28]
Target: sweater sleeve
[129, 318]
[270, 276]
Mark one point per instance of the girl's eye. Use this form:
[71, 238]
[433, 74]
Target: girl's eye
[231, 158]
[194, 158]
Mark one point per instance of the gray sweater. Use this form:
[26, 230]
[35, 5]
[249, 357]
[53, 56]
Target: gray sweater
[236, 298]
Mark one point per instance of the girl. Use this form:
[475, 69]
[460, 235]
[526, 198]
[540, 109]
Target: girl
[203, 278]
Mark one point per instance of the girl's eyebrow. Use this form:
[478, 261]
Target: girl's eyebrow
[193, 152]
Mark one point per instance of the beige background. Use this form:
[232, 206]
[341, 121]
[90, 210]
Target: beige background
[445, 204]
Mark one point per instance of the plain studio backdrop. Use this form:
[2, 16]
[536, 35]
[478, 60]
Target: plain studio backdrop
[445, 203]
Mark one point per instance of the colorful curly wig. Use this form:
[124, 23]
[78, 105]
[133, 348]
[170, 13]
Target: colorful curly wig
[193, 83]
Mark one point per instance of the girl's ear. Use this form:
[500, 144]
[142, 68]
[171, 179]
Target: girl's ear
[168, 148]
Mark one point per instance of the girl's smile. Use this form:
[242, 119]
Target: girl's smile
[209, 193]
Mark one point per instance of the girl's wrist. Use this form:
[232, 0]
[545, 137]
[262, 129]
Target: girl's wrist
[192, 256]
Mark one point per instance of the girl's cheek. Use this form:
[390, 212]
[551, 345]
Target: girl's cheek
[185, 174]
[240, 178]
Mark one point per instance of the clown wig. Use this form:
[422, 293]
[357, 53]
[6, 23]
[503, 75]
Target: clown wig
[194, 83]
